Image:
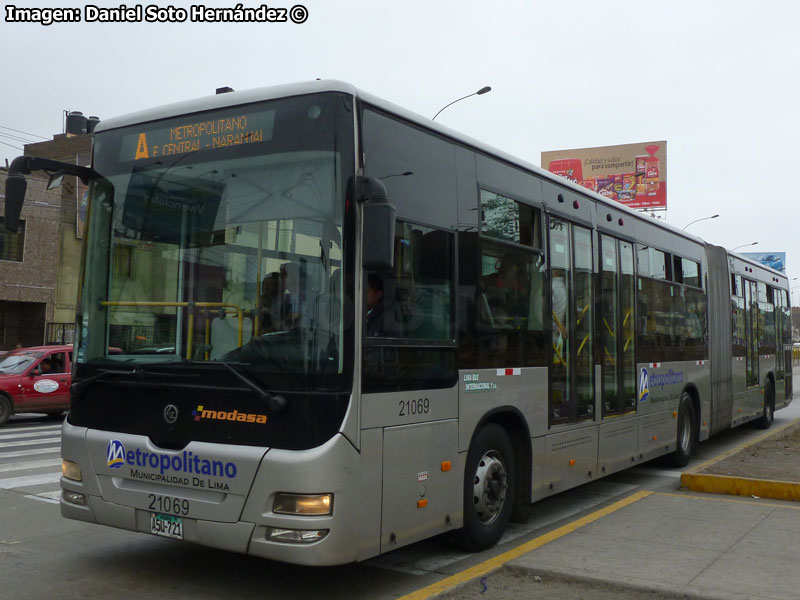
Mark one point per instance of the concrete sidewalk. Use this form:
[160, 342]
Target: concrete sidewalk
[702, 545]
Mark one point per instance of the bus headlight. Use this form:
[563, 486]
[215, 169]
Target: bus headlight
[70, 470]
[303, 504]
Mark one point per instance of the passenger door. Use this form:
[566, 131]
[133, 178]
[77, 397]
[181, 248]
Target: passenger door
[572, 308]
[751, 299]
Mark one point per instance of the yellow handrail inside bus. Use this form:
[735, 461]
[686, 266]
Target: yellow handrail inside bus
[189, 340]
[608, 327]
[583, 312]
[586, 337]
[561, 327]
[558, 357]
[625, 320]
[610, 357]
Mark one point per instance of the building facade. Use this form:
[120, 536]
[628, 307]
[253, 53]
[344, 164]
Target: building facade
[40, 265]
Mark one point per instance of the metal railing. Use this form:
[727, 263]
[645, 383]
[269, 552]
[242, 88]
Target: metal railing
[60, 333]
[191, 306]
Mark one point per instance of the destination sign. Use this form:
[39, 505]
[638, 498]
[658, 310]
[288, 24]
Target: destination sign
[216, 131]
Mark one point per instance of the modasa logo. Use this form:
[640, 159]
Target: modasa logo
[222, 415]
[115, 454]
[644, 392]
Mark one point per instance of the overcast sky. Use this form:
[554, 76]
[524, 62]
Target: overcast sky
[717, 80]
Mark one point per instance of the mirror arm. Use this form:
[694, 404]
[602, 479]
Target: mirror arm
[23, 165]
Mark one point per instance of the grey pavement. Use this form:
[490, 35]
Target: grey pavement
[682, 542]
[701, 545]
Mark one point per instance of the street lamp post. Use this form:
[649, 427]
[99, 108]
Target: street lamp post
[744, 246]
[703, 219]
[480, 92]
[790, 295]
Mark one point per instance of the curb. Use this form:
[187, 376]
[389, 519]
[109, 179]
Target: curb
[696, 481]
[741, 486]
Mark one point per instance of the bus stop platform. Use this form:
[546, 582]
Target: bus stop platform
[683, 543]
[733, 543]
[732, 531]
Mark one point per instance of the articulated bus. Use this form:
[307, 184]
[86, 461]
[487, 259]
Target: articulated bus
[315, 327]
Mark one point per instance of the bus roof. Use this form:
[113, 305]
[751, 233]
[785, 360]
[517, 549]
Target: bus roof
[236, 98]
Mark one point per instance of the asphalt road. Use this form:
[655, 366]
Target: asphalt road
[43, 555]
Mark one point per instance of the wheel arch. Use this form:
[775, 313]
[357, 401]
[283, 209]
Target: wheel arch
[9, 397]
[512, 421]
[771, 379]
[11, 407]
[694, 394]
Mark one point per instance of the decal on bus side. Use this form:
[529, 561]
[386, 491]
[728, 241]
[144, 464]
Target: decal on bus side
[472, 383]
[643, 391]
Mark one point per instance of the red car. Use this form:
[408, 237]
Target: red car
[35, 380]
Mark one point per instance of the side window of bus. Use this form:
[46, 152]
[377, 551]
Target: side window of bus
[414, 301]
[657, 304]
[408, 308]
[509, 307]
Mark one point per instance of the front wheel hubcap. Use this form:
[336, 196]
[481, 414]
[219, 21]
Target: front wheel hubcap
[489, 488]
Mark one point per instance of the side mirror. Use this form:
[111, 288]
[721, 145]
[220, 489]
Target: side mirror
[16, 183]
[377, 252]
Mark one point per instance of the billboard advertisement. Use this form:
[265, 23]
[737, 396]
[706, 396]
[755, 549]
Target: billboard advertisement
[633, 174]
[775, 260]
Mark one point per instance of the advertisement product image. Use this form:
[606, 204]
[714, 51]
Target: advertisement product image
[633, 174]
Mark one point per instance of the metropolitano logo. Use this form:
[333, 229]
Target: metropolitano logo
[644, 392]
[115, 454]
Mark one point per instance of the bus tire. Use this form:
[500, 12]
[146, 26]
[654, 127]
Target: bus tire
[686, 444]
[765, 421]
[5, 409]
[489, 480]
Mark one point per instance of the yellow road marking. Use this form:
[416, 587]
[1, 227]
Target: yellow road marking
[501, 559]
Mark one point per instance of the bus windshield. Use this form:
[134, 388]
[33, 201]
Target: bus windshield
[217, 237]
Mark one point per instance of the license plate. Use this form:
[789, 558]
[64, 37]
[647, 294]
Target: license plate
[166, 526]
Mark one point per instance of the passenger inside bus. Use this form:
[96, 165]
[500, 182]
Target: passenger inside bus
[270, 306]
[506, 291]
[277, 312]
[380, 321]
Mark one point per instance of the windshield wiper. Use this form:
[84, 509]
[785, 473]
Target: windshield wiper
[275, 402]
[79, 387]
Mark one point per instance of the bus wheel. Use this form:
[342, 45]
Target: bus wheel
[5, 409]
[488, 488]
[687, 432]
[769, 406]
